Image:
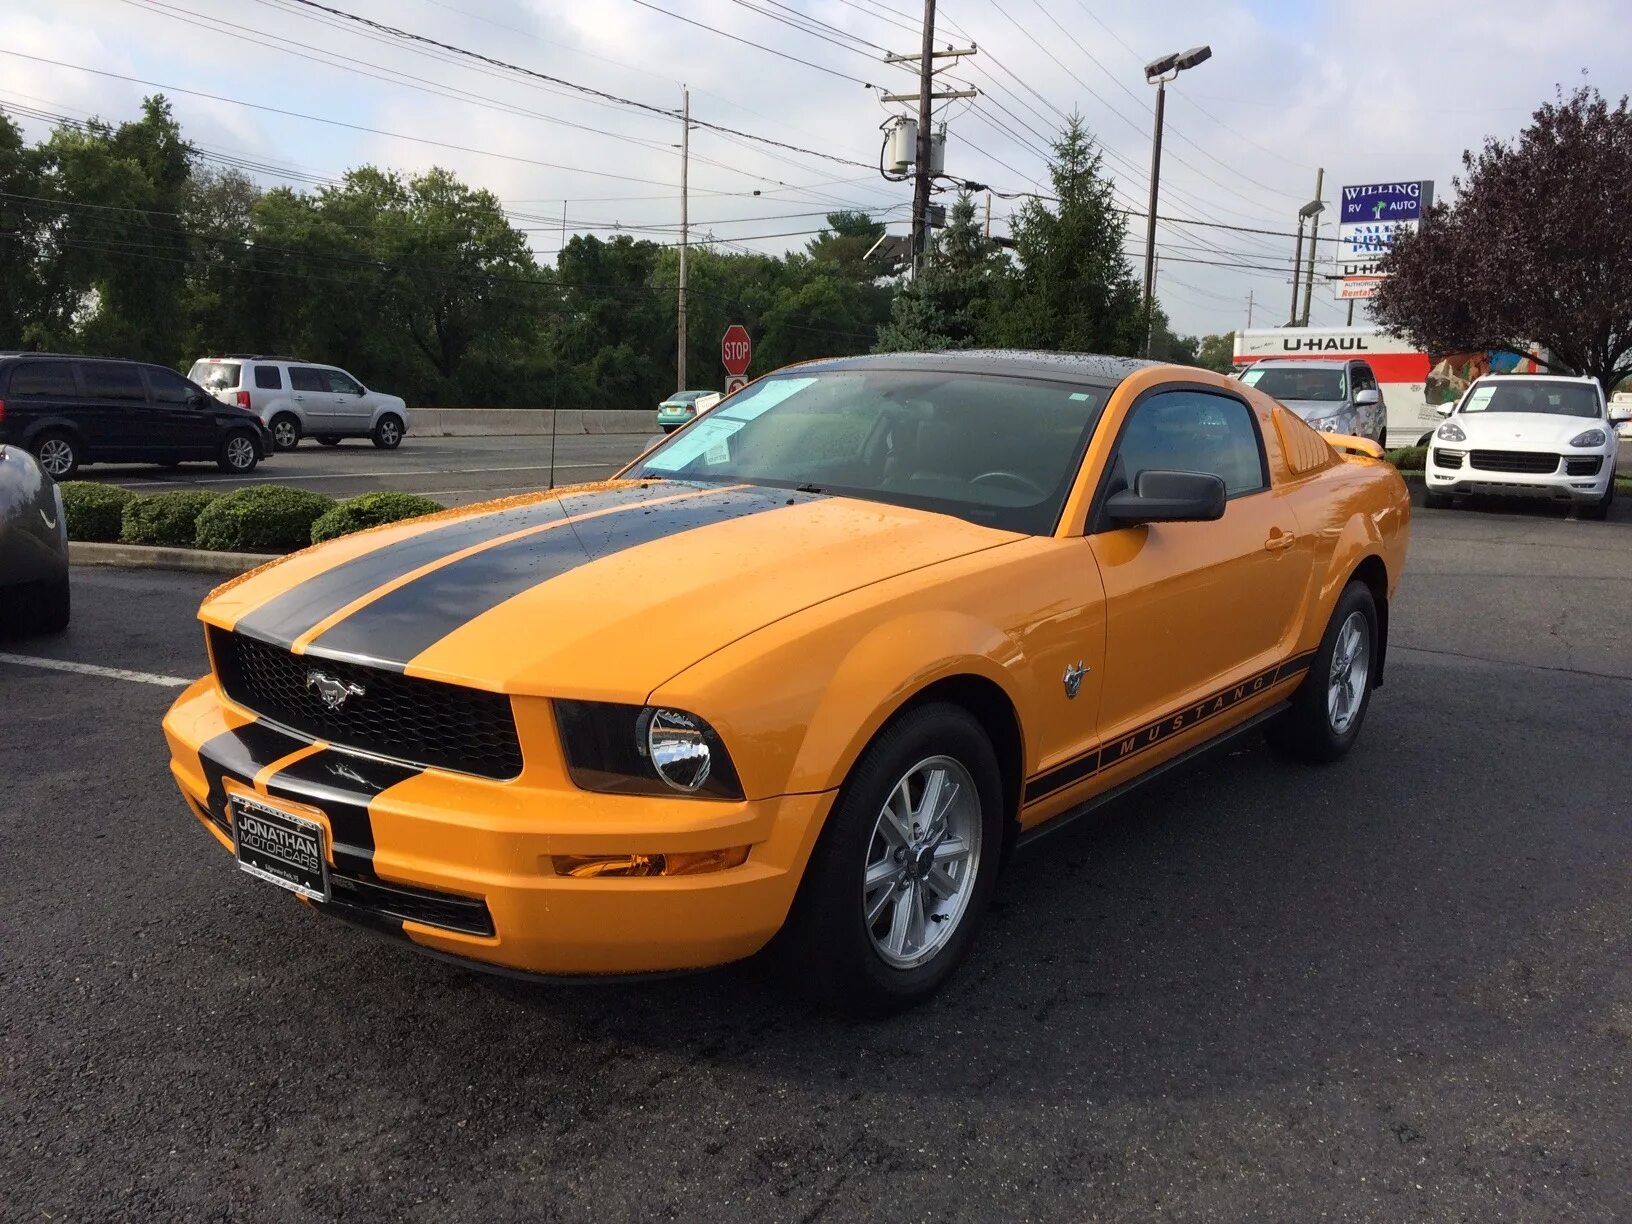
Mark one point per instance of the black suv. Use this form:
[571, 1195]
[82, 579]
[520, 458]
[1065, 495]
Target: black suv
[74, 410]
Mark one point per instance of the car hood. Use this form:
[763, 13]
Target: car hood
[596, 591]
[1523, 430]
[1314, 410]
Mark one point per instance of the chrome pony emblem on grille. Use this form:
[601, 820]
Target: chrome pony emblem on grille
[335, 693]
[1073, 679]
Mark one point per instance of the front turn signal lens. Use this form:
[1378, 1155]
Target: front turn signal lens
[633, 866]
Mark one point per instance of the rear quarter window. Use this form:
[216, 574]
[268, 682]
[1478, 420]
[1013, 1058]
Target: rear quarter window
[46, 378]
[269, 378]
[215, 375]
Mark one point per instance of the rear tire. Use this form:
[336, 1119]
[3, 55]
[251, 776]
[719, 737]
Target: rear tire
[58, 454]
[285, 429]
[54, 606]
[38, 607]
[668, 429]
[1436, 501]
[1598, 511]
[1330, 705]
[388, 432]
[239, 454]
[900, 858]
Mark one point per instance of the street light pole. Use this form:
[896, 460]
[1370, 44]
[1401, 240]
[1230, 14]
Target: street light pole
[1158, 73]
[685, 238]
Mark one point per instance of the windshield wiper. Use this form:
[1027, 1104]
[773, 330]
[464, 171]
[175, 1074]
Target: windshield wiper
[809, 488]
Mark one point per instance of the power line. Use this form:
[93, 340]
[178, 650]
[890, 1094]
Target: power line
[703, 25]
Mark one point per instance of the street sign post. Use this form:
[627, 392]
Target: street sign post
[736, 350]
[735, 383]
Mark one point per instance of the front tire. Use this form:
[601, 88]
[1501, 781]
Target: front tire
[285, 429]
[1436, 501]
[58, 454]
[40, 607]
[388, 432]
[238, 455]
[1330, 705]
[1598, 511]
[903, 870]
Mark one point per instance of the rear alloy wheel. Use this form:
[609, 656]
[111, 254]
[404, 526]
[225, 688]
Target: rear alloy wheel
[58, 455]
[285, 432]
[1598, 511]
[903, 870]
[388, 433]
[1330, 705]
[238, 454]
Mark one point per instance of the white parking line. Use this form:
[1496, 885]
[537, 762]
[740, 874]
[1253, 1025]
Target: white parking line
[92, 669]
[398, 472]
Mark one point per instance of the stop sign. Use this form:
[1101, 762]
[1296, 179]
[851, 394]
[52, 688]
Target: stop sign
[736, 350]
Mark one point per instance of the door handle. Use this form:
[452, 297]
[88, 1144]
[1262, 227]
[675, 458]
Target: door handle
[1279, 541]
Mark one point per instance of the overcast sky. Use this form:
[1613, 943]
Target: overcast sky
[1385, 90]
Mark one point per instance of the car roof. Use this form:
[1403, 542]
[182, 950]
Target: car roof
[1087, 367]
[258, 357]
[1563, 378]
[1301, 361]
[10, 354]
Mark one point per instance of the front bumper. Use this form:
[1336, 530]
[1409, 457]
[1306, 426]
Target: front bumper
[420, 852]
[1445, 476]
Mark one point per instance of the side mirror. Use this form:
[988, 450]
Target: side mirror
[1367, 397]
[1168, 497]
[1444, 410]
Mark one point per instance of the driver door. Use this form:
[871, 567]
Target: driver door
[1195, 608]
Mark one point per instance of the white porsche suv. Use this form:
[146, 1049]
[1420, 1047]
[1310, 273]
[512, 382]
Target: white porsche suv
[302, 399]
[1527, 435]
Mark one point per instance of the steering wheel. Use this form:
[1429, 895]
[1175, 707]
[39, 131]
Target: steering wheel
[1026, 484]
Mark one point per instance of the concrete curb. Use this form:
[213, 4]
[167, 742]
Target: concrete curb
[192, 560]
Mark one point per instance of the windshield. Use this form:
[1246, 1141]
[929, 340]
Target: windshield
[214, 375]
[685, 397]
[994, 450]
[1300, 382]
[1538, 395]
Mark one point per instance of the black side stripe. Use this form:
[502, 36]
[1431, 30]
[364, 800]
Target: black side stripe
[341, 785]
[1148, 736]
[390, 631]
[285, 617]
[240, 754]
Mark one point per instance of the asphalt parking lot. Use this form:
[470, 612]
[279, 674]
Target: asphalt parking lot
[1395, 988]
[453, 471]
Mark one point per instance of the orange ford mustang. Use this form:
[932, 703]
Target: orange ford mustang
[807, 670]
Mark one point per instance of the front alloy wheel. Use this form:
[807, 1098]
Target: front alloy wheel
[922, 862]
[238, 454]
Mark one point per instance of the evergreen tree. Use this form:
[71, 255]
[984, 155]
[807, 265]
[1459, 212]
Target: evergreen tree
[946, 306]
[1074, 291]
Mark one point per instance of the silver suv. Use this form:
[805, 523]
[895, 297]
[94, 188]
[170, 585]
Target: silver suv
[1338, 397]
[300, 399]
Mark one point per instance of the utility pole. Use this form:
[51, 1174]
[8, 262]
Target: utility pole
[1351, 312]
[988, 216]
[1249, 307]
[1297, 271]
[1314, 235]
[680, 305]
[926, 97]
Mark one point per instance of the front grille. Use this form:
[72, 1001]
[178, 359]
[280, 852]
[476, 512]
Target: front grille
[422, 722]
[1447, 459]
[1583, 465]
[1531, 462]
[446, 910]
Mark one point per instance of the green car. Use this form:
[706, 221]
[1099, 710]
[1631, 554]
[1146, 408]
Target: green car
[682, 406]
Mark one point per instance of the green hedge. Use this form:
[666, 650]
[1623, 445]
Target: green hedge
[370, 510]
[169, 520]
[94, 510]
[261, 518]
[1409, 458]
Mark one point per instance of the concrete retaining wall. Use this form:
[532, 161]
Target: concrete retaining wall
[491, 422]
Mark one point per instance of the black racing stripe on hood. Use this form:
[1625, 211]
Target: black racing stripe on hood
[341, 785]
[240, 754]
[409, 620]
[286, 617]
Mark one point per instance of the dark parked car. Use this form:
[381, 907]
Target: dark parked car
[33, 547]
[69, 411]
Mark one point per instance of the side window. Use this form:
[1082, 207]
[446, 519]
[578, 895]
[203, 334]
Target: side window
[1194, 431]
[308, 378]
[342, 383]
[49, 378]
[113, 380]
[1363, 378]
[168, 387]
[269, 378]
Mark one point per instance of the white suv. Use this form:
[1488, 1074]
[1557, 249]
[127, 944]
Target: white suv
[299, 399]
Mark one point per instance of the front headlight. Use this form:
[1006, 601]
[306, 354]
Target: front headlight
[1326, 425]
[1451, 432]
[644, 750]
[1593, 437]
